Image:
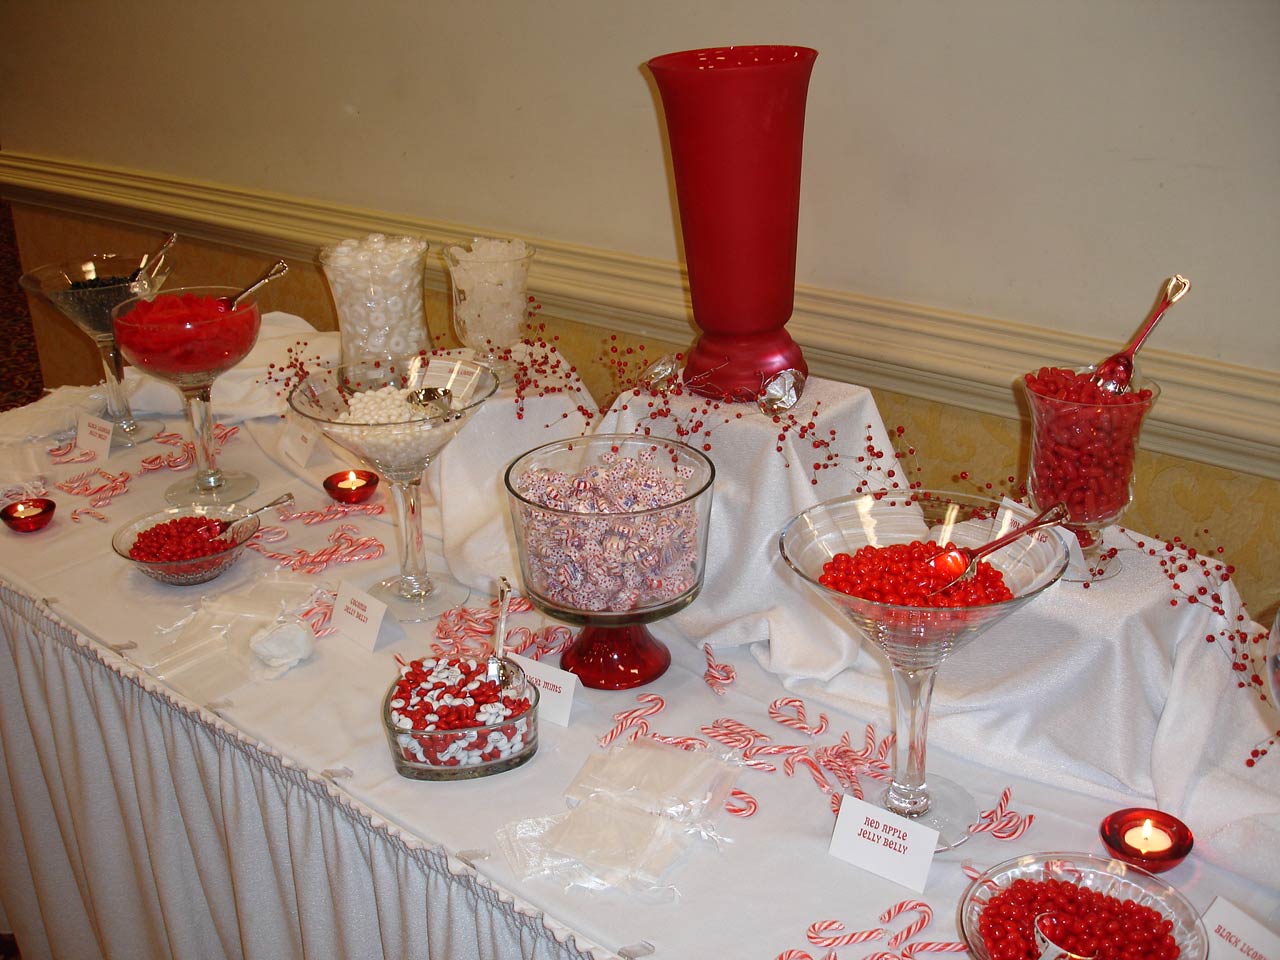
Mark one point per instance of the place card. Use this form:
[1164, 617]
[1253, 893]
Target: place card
[884, 843]
[299, 441]
[1012, 515]
[94, 433]
[1234, 935]
[556, 688]
[358, 616]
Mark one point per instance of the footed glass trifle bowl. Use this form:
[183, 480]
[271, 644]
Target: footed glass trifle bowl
[396, 414]
[611, 532]
[85, 291]
[915, 637]
[189, 337]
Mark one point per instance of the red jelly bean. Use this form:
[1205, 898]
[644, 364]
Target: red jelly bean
[1083, 443]
[901, 574]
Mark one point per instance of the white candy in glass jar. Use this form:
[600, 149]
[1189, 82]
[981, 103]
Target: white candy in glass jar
[490, 292]
[377, 288]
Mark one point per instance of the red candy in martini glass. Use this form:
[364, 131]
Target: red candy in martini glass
[189, 337]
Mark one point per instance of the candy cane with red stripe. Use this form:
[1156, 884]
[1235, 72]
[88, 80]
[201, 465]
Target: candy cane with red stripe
[924, 918]
[741, 804]
[797, 719]
[932, 946]
[718, 676]
[838, 938]
[635, 718]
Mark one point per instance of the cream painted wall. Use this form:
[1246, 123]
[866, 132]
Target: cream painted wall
[1030, 160]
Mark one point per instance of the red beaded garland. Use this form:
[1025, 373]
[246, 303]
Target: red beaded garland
[1085, 922]
[900, 574]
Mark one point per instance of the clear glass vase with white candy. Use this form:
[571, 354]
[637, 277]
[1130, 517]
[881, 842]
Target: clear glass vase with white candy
[376, 284]
[396, 414]
[490, 296]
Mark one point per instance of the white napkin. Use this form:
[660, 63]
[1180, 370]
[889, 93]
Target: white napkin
[54, 413]
[247, 390]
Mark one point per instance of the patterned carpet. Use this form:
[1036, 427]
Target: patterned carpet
[20, 380]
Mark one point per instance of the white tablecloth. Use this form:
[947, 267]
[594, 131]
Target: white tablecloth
[268, 820]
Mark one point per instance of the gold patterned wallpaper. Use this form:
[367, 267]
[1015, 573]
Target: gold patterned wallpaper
[1208, 507]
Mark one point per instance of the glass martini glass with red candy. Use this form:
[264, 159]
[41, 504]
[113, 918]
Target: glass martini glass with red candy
[1083, 443]
[869, 556]
[189, 337]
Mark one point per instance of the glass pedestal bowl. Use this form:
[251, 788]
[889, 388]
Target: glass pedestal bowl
[193, 570]
[1108, 877]
[189, 337]
[364, 408]
[916, 639]
[85, 291]
[1082, 454]
[611, 531]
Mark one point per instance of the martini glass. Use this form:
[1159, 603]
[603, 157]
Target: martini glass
[85, 291]
[611, 531]
[916, 640]
[189, 337]
[422, 402]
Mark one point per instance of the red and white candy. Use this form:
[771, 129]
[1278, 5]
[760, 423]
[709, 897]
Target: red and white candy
[450, 715]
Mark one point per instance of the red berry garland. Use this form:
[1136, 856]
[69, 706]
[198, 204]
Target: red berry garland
[900, 574]
[1085, 922]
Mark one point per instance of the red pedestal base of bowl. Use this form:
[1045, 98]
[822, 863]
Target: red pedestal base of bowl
[616, 658]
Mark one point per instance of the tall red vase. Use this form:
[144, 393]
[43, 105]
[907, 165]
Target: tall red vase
[735, 123]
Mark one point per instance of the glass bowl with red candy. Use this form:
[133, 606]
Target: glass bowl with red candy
[1093, 907]
[186, 545]
[445, 720]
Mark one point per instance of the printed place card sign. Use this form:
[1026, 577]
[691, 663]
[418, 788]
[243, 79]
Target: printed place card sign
[884, 843]
[299, 442]
[358, 616]
[1234, 935]
[94, 433]
[1005, 521]
[556, 688]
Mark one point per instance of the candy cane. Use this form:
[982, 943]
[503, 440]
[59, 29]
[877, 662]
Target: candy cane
[684, 743]
[1003, 823]
[915, 926]
[794, 955]
[798, 720]
[839, 938]
[932, 946]
[741, 804]
[882, 955]
[334, 511]
[973, 873]
[718, 676]
[86, 512]
[820, 778]
[319, 613]
[634, 718]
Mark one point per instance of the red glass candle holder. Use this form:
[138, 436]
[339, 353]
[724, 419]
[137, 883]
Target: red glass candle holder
[1162, 846]
[27, 516]
[351, 486]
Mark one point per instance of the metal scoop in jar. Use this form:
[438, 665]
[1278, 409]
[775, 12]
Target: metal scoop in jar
[498, 668]
[961, 563]
[218, 529]
[434, 401]
[277, 269]
[1113, 374]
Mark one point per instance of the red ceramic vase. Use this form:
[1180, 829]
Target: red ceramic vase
[735, 124]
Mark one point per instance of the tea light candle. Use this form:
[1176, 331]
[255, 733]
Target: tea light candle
[351, 486]
[26, 516]
[1151, 839]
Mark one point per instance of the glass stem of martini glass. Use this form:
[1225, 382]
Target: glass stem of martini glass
[415, 584]
[200, 414]
[908, 794]
[113, 374]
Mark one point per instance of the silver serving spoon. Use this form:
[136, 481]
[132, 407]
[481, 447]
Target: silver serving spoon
[150, 262]
[961, 563]
[220, 528]
[278, 269]
[497, 668]
[1114, 373]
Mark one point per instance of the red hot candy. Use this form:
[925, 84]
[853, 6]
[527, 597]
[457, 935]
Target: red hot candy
[187, 334]
[1083, 443]
[900, 574]
[1083, 921]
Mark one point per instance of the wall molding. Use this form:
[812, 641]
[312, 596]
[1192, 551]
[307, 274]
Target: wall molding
[1210, 411]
